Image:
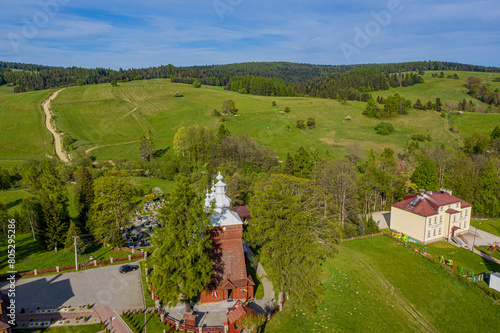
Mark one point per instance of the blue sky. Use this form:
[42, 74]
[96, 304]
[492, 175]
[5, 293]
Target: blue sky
[124, 33]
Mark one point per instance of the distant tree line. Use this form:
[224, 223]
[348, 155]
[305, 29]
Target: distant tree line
[357, 84]
[263, 86]
[28, 77]
[483, 91]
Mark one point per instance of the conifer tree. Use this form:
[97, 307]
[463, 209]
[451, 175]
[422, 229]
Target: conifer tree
[83, 193]
[181, 257]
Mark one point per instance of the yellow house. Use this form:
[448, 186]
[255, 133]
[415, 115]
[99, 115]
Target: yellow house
[431, 216]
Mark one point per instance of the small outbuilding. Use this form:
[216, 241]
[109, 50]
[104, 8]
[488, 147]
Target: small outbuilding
[495, 281]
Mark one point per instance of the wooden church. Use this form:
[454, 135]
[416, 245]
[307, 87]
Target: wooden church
[230, 279]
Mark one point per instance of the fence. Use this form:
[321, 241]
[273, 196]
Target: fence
[365, 236]
[82, 265]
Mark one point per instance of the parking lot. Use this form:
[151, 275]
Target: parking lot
[103, 286]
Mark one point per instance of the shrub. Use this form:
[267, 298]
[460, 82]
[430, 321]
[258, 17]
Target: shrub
[300, 124]
[287, 109]
[273, 103]
[178, 94]
[197, 84]
[311, 123]
[384, 128]
[88, 306]
[85, 319]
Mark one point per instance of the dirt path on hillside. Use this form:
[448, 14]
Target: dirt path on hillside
[57, 138]
[398, 298]
[109, 145]
[453, 134]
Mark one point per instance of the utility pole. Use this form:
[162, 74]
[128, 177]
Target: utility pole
[76, 259]
[474, 242]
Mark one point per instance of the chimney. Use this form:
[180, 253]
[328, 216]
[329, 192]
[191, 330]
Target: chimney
[443, 190]
[421, 191]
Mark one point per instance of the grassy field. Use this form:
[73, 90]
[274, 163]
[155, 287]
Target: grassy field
[492, 225]
[110, 120]
[378, 285]
[30, 257]
[91, 328]
[22, 131]
[99, 116]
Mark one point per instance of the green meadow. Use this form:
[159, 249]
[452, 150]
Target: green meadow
[379, 285]
[110, 120]
[22, 131]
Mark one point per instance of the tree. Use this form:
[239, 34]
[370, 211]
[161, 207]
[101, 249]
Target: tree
[495, 134]
[181, 256]
[311, 123]
[340, 180]
[488, 202]
[50, 198]
[113, 204]
[425, 176]
[83, 193]
[197, 84]
[114, 83]
[293, 224]
[69, 244]
[439, 104]
[228, 107]
[418, 105]
[476, 144]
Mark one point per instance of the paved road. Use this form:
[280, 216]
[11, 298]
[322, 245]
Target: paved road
[103, 286]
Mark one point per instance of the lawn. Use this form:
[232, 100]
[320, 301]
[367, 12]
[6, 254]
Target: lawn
[13, 199]
[91, 328]
[491, 225]
[22, 131]
[30, 257]
[153, 324]
[379, 285]
[484, 249]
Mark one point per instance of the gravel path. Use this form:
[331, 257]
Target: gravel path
[55, 135]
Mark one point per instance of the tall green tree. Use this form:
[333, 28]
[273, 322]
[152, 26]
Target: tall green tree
[83, 193]
[69, 244]
[340, 179]
[112, 208]
[51, 198]
[181, 256]
[294, 226]
[487, 201]
[425, 176]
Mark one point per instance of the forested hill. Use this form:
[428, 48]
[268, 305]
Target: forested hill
[27, 77]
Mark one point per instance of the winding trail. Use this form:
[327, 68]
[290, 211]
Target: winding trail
[109, 145]
[57, 138]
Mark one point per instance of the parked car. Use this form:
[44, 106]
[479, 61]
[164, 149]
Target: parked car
[127, 268]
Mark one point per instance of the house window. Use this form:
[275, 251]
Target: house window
[429, 233]
[465, 224]
[430, 220]
[440, 218]
[435, 219]
[460, 213]
[454, 218]
[434, 232]
[441, 208]
[439, 231]
[458, 205]
[466, 212]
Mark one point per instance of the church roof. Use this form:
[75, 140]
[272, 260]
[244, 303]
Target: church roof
[225, 218]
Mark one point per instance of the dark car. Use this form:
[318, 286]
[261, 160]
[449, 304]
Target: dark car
[128, 268]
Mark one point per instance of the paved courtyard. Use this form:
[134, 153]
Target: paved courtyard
[103, 286]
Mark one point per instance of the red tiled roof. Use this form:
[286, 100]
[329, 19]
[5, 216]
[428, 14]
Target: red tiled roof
[428, 203]
[451, 211]
[455, 228]
[242, 211]
[237, 311]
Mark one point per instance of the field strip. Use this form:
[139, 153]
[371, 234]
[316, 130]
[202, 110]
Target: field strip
[139, 122]
[57, 137]
[109, 145]
[130, 112]
[398, 298]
